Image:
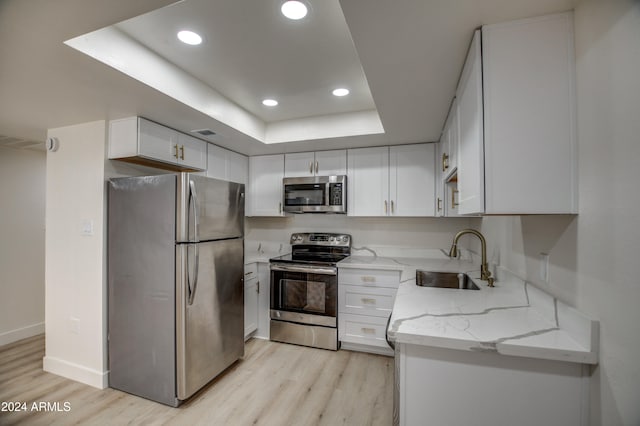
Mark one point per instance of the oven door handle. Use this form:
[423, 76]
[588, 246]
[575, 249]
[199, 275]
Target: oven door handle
[306, 269]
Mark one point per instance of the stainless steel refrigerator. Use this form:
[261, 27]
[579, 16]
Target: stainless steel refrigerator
[175, 271]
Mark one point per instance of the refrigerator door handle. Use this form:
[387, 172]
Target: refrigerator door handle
[192, 288]
[193, 196]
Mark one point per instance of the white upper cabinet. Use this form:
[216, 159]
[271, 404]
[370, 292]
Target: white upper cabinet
[412, 180]
[192, 152]
[448, 159]
[227, 165]
[140, 141]
[368, 182]
[265, 185]
[321, 163]
[470, 133]
[516, 119]
[391, 181]
[530, 116]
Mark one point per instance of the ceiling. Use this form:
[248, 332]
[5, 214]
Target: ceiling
[401, 59]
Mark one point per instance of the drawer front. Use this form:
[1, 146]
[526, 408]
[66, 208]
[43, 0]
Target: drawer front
[363, 329]
[360, 300]
[250, 271]
[369, 277]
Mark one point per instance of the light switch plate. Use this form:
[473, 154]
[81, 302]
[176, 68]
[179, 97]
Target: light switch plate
[86, 227]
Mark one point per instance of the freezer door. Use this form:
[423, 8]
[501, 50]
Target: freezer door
[209, 209]
[210, 311]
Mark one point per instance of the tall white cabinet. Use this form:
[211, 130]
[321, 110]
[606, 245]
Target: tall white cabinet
[391, 181]
[529, 116]
[517, 149]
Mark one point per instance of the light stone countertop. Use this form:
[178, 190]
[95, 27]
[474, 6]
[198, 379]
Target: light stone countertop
[513, 318]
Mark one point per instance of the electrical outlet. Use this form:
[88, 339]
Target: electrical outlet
[544, 267]
[86, 227]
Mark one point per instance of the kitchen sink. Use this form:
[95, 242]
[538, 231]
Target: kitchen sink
[454, 280]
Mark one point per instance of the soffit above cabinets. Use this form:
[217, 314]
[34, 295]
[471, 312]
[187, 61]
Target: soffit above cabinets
[249, 52]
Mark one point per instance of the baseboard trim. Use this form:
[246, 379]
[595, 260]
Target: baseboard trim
[21, 333]
[79, 373]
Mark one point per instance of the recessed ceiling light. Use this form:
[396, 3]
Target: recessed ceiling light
[294, 9]
[341, 92]
[270, 102]
[189, 37]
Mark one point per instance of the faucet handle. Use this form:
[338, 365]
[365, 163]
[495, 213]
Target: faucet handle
[490, 281]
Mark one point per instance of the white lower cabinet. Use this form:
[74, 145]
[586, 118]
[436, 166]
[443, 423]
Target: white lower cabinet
[484, 388]
[365, 301]
[251, 291]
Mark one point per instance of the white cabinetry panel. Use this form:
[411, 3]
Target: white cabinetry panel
[265, 185]
[470, 133]
[412, 180]
[529, 112]
[368, 182]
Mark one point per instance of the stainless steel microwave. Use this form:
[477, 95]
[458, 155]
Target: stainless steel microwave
[315, 194]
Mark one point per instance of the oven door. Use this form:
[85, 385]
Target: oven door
[304, 294]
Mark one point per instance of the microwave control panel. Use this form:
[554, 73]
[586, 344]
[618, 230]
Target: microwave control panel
[335, 194]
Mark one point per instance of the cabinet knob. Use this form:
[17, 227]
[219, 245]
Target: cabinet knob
[386, 203]
[453, 198]
[316, 167]
[310, 167]
[182, 152]
[439, 204]
[368, 300]
[392, 207]
[175, 151]
[368, 330]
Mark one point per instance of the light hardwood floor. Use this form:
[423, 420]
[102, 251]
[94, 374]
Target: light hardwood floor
[275, 384]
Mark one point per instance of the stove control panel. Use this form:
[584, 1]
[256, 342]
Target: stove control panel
[322, 239]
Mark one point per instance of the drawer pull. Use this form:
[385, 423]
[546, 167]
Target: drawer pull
[368, 301]
[368, 330]
[368, 279]
[248, 273]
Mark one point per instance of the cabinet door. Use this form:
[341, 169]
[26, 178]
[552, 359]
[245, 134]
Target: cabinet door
[448, 160]
[265, 185]
[237, 167]
[192, 152]
[470, 133]
[440, 193]
[250, 306]
[330, 163]
[216, 162]
[157, 142]
[412, 180]
[368, 182]
[528, 71]
[299, 164]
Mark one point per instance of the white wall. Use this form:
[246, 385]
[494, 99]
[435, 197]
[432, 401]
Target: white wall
[22, 197]
[75, 292]
[594, 256]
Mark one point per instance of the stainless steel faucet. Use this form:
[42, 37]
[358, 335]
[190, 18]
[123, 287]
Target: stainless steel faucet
[485, 274]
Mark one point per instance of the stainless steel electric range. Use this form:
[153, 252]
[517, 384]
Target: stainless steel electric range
[304, 290]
